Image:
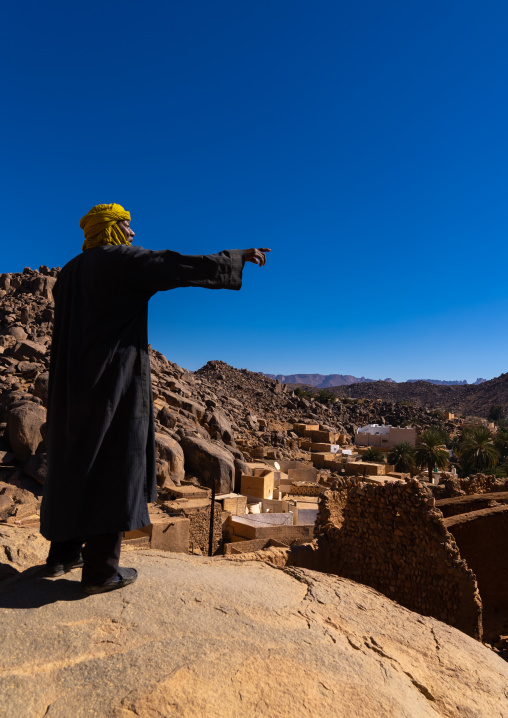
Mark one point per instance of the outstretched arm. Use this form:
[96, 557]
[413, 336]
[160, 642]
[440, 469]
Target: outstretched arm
[150, 271]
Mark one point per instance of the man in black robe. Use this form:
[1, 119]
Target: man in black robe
[100, 430]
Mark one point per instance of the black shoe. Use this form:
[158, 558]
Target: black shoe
[58, 569]
[124, 577]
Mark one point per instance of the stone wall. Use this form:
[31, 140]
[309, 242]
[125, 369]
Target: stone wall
[475, 502]
[310, 489]
[199, 529]
[392, 538]
[482, 538]
[450, 486]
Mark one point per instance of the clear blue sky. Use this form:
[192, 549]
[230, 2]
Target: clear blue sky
[364, 142]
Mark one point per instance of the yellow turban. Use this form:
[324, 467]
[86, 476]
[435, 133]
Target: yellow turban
[100, 225]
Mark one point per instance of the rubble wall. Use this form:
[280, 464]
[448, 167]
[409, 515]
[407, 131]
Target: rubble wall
[392, 538]
[482, 538]
[471, 502]
[199, 529]
[450, 486]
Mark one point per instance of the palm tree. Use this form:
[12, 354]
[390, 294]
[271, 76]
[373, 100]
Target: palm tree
[430, 452]
[373, 454]
[503, 470]
[402, 456]
[478, 449]
[501, 441]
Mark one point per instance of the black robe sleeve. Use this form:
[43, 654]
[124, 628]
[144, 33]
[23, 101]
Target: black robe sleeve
[154, 271]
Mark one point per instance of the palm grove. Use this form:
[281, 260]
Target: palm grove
[474, 450]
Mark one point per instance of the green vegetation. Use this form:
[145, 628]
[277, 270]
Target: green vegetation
[326, 397]
[501, 442]
[445, 436]
[373, 454]
[502, 470]
[302, 393]
[497, 414]
[402, 456]
[430, 452]
[477, 450]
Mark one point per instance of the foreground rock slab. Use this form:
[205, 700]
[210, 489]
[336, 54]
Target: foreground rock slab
[211, 637]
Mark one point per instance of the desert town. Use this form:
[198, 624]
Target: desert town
[296, 482]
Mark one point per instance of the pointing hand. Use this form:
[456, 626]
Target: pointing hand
[256, 256]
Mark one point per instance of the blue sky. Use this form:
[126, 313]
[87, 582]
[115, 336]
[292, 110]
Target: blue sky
[366, 143]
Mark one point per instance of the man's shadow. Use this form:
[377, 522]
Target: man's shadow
[31, 588]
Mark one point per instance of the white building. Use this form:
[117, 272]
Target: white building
[384, 436]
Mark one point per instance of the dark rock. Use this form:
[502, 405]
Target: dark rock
[41, 387]
[17, 332]
[167, 418]
[29, 351]
[36, 466]
[240, 468]
[6, 457]
[24, 423]
[27, 369]
[219, 426]
[210, 463]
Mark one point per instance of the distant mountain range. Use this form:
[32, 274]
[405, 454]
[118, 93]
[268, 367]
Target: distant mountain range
[324, 381]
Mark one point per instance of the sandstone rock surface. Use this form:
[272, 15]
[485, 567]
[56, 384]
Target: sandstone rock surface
[211, 637]
[20, 549]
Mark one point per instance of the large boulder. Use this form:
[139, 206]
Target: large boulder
[43, 286]
[29, 351]
[212, 464]
[170, 461]
[230, 639]
[17, 332]
[192, 408]
[27, 369]
[167, 418]
[24, 424]
[219, 426]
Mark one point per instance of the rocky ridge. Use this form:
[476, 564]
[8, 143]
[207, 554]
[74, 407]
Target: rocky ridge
[320, 381]
[469, 400]
[325, 381]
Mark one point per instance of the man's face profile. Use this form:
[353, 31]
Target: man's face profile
[128, 233]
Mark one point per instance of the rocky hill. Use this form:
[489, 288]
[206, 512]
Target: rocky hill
[470, 400]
